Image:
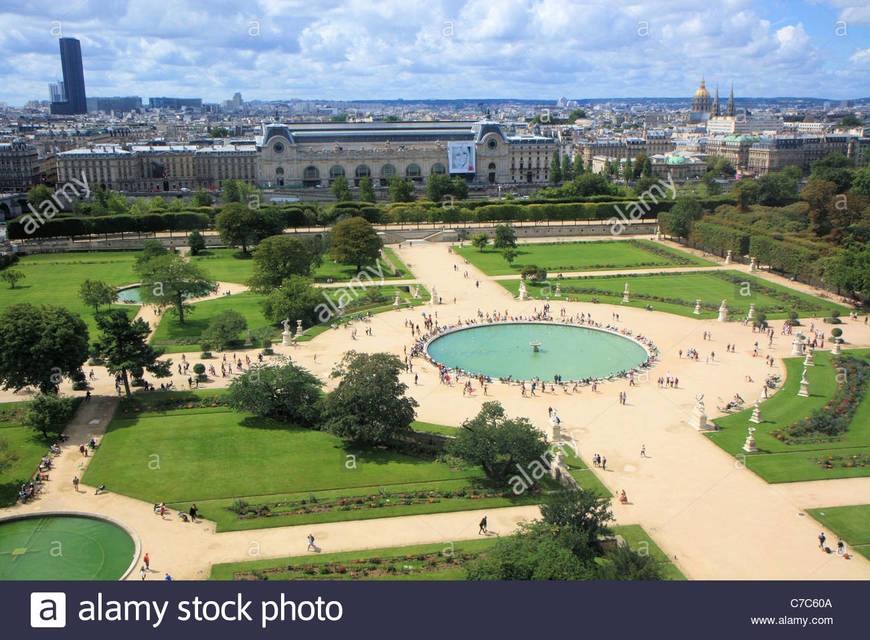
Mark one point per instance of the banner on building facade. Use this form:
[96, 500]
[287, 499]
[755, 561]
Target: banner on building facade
[460, 157]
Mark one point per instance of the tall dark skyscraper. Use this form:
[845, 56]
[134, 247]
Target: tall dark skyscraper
[73, 79]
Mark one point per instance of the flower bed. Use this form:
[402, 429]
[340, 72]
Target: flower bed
[363, 568]
[383, 500]
[829, 423]
[174, 404]
[848, 462]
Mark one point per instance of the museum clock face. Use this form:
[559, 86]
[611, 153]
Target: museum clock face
[492, 144]
[277, 147]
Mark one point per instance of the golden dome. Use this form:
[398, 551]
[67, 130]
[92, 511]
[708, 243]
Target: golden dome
[702, 91]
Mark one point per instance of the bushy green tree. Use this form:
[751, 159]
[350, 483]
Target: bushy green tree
[340, 189]
[39, 345]
[96, 293]
[223, 330]
[369, 405]
[285, 392]
[202, 198]
[355, 242]
[509, 450]
[169, 280]
[196, 242]
[505, 237]
[296, 299]
[49, 414]
[480, 240]
[366, 190]
[123, 345]
[401, 190]
[12, 276]
[279, 257]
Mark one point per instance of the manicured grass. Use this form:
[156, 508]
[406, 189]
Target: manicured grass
[687, 287]
[228, 454]
[225, 265]
[634, 535]
[175, 337]
[638, 540]
[227, 520]
[396, 261]
[852, 524]
[581, 256]
[55, 279]
[230, 265]
[27, 443]
[225, 571]
[777, 461]
[428, 427]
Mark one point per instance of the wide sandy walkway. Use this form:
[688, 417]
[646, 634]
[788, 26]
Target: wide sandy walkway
[717, 519]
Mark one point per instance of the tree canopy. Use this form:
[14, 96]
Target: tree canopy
[39, 345]
[123, 344]
[355, 242]
[285, 392]
[169, 280]
[369, 405]
[279, 257]
[96, 293]
[508, 449]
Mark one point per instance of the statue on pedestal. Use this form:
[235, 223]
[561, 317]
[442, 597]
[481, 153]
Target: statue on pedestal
[749, 445]
[286, 335]
[723, 312]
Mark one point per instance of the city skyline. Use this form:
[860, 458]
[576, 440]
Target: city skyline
[442, 50]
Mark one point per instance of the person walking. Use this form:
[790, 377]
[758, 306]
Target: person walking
[168, 578]
[841, 547]
[142, 573]
[311, 543]
[822, 541]
[603, 463]
[643, 451]
[147, 561]
[76, 483]
[482, 529]
[194, 512]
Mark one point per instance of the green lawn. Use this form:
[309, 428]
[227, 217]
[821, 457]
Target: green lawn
[217, 453]
[230, 265]
[175, 337]
[308, 566]
[28, 444]
[581, 256]
[389, 504]
[677, 292]
[55, 279]
[852, 524]
[429, 427]
[638, 539]
[397, 263]
[777, 461]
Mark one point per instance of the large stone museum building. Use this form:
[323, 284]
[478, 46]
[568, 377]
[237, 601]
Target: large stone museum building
[311, 155]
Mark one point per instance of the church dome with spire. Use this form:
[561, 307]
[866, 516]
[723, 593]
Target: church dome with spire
[702, 103]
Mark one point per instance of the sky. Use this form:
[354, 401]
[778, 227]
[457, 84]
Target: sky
[413, 49]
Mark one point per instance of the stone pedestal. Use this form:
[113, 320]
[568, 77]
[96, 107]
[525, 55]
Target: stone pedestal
[756, 413]
[723, 312]
[658, 233]
[749, 445]
[796, 346]
[558, 293]
[805, 386]
[523, 294]
[751, 313]
[396, 301]
[287, 338]
[808, 361]
[728, 257]
[434, 298]
[836, 348]
[697, 310]
[625, 294]
[753, 265]
[698, 418]
[299, 329]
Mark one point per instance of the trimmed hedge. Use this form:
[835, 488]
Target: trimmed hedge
[60, 227]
